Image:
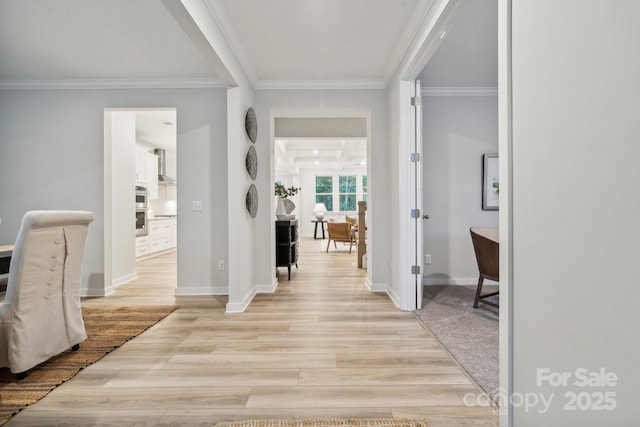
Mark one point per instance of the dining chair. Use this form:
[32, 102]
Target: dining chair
[41, 316]
[487, 250]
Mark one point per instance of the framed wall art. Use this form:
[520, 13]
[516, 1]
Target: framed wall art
[490, 183]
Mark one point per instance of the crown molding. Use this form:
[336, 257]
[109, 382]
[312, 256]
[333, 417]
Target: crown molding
[459, 91]
[112, 84]
[320, 84]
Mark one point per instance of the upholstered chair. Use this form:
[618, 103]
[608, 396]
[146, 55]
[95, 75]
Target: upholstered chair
[40, 316]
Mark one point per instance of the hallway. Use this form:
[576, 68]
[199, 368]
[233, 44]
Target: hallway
[321, 346]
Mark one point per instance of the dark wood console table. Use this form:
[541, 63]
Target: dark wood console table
[287, 244]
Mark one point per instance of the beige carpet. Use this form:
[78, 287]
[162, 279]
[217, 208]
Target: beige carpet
[351, 422]
[469, 334]
[107, 329]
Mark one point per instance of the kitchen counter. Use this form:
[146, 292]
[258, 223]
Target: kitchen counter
[157, 217]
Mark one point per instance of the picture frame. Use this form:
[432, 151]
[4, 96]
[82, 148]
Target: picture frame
[490, 182]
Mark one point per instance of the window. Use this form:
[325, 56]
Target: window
[324, 191]
[364, 188]
[347, 192]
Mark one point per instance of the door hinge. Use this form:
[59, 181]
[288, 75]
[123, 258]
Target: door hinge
[415, 101]
[415, 157]
[415, 213]
[415, 269]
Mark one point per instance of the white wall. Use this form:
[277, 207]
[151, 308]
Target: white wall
[457, 131]
[329, 103]
[52, 157]
[122, 126]
[576, 205]
[242, 229]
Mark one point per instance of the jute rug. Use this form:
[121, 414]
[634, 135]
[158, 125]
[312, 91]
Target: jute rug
[107, 329]
[351, 422]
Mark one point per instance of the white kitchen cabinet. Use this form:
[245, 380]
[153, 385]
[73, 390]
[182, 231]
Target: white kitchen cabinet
[160, 235]
[142, 246]
[141, 165]
[152, 175]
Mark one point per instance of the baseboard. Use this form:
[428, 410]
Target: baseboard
[124, 279]
[240, 307]
[393, 296]
[267, 289]
[376, 287]
[455, 281]
[201, 290]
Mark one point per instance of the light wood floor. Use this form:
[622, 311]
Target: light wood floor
[321, 346]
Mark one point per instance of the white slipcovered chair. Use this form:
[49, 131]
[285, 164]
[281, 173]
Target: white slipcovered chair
[40, 316]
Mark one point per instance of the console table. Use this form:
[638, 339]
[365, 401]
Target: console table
[287, 244]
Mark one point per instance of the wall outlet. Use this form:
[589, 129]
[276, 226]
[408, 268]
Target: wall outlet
[220, 264]
[427, 259]
[196, 205]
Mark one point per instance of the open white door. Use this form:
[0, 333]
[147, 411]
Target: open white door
[416, 189]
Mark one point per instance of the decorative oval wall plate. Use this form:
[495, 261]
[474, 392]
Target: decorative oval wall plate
[251, 124]
[252, 201]
[252, 162]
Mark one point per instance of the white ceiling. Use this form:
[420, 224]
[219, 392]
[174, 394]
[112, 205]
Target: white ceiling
[75, 41]
[468, 55]
[157, 128]
[284, 43]
[316, 153]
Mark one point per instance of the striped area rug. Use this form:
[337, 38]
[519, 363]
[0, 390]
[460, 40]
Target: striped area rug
[107, 329]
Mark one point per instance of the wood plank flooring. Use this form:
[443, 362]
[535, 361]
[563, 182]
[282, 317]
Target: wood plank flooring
[322, 345]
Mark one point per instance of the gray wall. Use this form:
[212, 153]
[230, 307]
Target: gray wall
[576, 206]
[457, 131]
[52, 157]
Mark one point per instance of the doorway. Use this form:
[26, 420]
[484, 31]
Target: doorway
[140, 191]
[326, 157]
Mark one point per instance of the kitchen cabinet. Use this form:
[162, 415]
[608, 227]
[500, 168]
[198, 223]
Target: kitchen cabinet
[152, 175]
[141, 165]
[142, 246]
[160, 235]
[147, 171]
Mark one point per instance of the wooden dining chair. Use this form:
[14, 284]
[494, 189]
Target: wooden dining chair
[487, 250]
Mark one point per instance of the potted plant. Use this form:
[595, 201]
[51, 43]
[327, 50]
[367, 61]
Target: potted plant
[284, 205]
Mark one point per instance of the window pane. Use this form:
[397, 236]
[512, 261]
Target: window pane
[347, 184]
[324, 184]
[327, 200]
[364, 198]
[347, 202]
[364, 184]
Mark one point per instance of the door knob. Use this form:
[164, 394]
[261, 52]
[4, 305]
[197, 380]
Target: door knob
[425, 216]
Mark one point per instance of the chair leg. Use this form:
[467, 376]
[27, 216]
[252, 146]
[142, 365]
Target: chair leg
[478, 291]
[328, 243]
[350, 246]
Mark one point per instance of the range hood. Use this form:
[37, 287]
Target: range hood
[162, 167]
